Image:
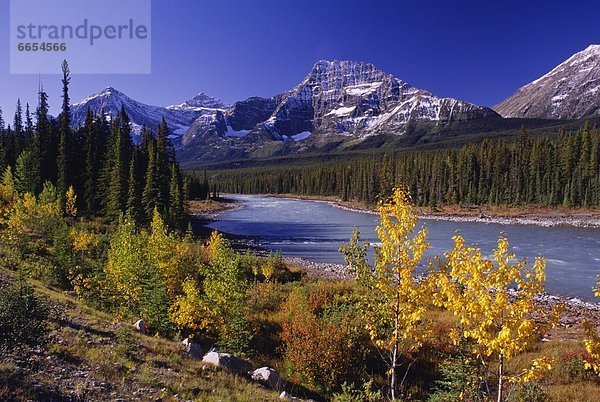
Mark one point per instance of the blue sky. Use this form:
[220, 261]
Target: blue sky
[479, 51]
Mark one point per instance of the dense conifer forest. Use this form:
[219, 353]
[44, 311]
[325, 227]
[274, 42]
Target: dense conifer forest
[109, 172]
[552, 170]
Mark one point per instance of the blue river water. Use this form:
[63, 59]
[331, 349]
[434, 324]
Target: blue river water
[315, 231]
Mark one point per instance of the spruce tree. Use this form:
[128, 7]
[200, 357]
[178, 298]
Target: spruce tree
[134, 207]
[91, 172]
[63, 159]
[176, 201]
[165, 155]
[28, 124]
[27, 178]
[43, 140]
[151, 198]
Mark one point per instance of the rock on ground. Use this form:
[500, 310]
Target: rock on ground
[192, 348]
[268, 377]
[229, 362]
[140, 326]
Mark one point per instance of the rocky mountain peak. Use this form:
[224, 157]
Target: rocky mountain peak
[203, 100]
[571, 90]
[338, 100]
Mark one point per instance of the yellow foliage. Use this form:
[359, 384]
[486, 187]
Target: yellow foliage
[502, 321]
[214, 245]
[396, 302]
[71, 202]
[189, 310]
[592, 345]
[82, 240]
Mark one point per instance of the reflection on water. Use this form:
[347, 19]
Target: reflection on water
[315, 231]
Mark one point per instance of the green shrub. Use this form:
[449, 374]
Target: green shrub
[351, 393]
[459, 381]
[530, 392]
[23, 316]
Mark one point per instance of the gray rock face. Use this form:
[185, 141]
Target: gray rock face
[228, 362]
[337, 101]
[569, 91]
[268, 377]
[192, 348]
[140, 326]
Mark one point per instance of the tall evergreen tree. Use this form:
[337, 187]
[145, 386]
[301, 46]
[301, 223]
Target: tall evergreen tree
[43, 140]
[28, 124]
[134, 201]
[27, 178]
[91, 165]
[165, 155]
[63, 159]
[151, 197]
[176, 199]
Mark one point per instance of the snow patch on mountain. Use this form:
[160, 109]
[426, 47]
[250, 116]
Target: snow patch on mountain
[301, 136]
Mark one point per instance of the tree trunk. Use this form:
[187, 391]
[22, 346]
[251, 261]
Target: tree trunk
[395, 350]
[500, 367]
[394, 359]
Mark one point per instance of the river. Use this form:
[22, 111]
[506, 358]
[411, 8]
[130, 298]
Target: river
[315, 230]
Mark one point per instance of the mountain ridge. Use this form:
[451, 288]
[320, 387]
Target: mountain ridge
[571, 90]
[336, 101]
[179, 117]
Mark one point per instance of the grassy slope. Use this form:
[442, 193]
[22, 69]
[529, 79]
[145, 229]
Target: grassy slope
[90, 356]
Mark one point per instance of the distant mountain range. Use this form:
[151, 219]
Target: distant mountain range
[345, 103]
[178, 117]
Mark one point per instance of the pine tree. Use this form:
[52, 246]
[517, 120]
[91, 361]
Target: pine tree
[176, 202]
[43, 140]
[164, 158]
[151, 198]
[117, 165]
[28, 124]
[134, 207]
[91, 166]
[27, 176]
[18, 128]
[63, 161]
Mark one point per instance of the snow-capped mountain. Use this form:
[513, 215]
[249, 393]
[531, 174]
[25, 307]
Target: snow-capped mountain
[570, 91]
[201, 101]
[178, 117]
[338, 100]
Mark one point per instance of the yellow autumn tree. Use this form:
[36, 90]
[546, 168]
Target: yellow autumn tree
[125, 264]
[71, 202]
[494, 301]
[394, 300]
[592, 341]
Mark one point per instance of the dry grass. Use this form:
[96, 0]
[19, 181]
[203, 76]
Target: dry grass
[89, 356]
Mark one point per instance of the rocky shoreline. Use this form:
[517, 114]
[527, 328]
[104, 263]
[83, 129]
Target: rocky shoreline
[586, 220]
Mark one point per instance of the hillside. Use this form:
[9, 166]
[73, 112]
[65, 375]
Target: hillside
[91, 355]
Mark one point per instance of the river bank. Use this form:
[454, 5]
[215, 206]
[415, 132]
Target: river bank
[575, 308]
[538, 216]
